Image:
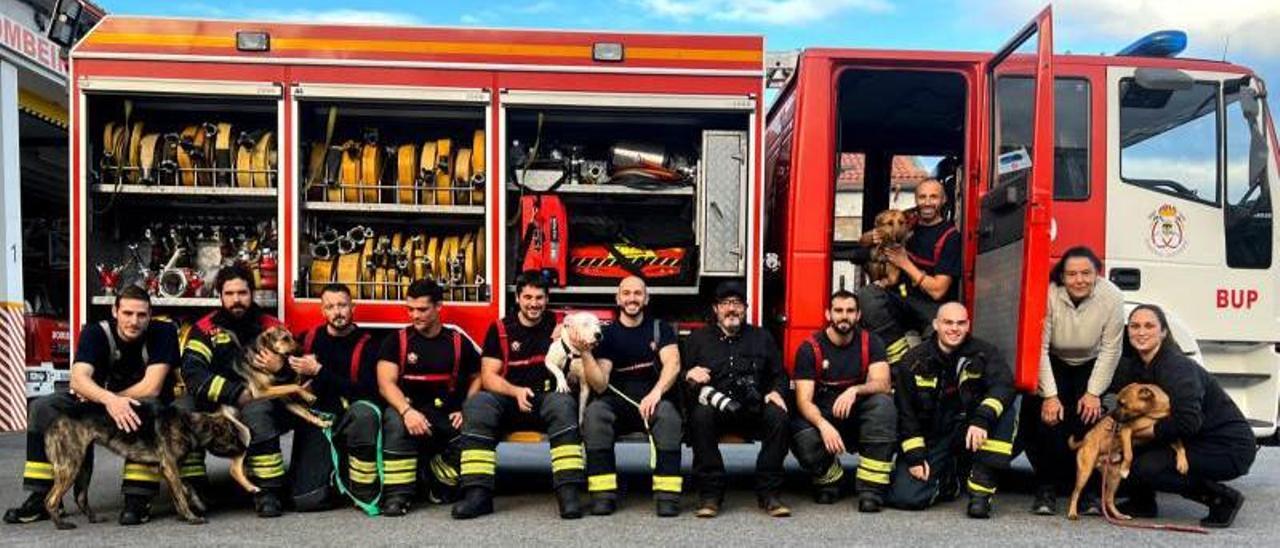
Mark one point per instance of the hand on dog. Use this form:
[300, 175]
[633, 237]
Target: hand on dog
[416, 423]
[455, 418]
[776, 399]
[306, 366]
[698, 375]
[121, 410]
[1051, 411]
[831, 438]
[1089, 408]
[524, 399]
[920, 471]
[844, 403]
[897, 256]
[975, 438]
[267, 360]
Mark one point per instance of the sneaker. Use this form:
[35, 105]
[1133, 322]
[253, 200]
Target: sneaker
[869, 504]
[1224, 503]
[603, 504]
[708, 508]
[476, 502]
[667, 508]
[137, 510]
[396, 506]
[979, 507]
[32, 510]
[1090, 504]
[773, 506]
[826, 495]
[267, 505]
[1046, 503]
[569, 503]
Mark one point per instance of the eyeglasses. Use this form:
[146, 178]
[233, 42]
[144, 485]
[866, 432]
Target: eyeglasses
[732, 303]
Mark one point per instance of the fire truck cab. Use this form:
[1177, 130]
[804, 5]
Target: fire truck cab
[1164, 166]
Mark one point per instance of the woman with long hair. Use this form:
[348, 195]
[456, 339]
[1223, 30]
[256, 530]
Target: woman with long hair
[1220, 444]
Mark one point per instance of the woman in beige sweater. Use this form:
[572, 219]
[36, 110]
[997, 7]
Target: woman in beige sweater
[1083, 337]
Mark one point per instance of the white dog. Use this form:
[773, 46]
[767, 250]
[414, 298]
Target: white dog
[564, 359]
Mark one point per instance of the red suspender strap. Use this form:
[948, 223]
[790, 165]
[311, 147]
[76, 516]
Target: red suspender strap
[404, 348]
[309, 339]
[866, 353]
[356, 355]
[942, 241]
[818, 358]
[502, 342]
[457, 360]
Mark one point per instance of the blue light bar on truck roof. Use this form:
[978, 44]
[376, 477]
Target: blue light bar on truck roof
[1162, 43]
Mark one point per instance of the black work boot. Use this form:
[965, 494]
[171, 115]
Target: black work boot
[979, 506]
[396, 506]
[604, 503]
[32, 510]
[476, 502]
[869, 503]
[137, 510]
[570, 504]
[667, 507]
[1140, 504]
[772, 504]
[267, 504]
[827, 494]
[1046, 502]
[1223, 502]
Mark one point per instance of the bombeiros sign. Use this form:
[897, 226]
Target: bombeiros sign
[29, 44]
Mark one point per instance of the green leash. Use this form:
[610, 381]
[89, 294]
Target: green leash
[653, 446]
[370, 508]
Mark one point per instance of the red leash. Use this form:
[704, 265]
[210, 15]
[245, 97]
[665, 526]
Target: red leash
[1109, 467]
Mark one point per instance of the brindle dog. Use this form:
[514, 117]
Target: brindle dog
[263, 367]
[166, 435]
[894, 230]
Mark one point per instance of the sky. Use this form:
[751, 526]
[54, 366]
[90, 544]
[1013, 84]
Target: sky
[1246, 31]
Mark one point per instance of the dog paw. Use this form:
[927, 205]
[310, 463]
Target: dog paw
[1073, 516]
[197, 520]
[307, 396]
[324, 423]
[1124, 472]
[1122, 517]
[1183, 467]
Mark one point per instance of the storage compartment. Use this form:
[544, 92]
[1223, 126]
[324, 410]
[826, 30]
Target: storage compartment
[625, 185]
[391, 190]
[180, 186]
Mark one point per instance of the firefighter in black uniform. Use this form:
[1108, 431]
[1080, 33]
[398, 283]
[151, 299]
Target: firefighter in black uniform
[340, 359]
[1219, 441]
[843, 396]
[735, 375]
[930, 261]
[957, 417]
[208, 362]
[631, 373]
[119, 368]
[425, 372]
[519, 393]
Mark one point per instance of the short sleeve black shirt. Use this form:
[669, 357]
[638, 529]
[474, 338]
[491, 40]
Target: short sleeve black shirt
[525, 353]
[429, 374]
[127, 367]
[922, 246]
[841, 365]
[633, 352]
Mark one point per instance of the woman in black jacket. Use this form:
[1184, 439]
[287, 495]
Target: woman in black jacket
[1220, 444]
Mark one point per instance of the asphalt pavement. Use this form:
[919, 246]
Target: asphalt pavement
[526, 514]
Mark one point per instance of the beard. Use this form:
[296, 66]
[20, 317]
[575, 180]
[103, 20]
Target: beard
[842, 327]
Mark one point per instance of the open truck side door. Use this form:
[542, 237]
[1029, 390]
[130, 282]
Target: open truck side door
[1011, 272]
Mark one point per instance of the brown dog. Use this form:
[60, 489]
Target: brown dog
[267, 376]
[894, 229]
[168, 433]
[1110, 443]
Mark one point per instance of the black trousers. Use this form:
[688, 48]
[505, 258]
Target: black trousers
[609, 416]
[1210, 459]
[486, 416]
[768, 424]
[311, 462]
[404, 454]
[1052, 459]
[870, 430]
[37, 472]
[892, 312]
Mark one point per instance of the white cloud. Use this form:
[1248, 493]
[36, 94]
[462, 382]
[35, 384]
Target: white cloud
[542, 6]
[337, 16]
[1249, 24]
[769, 12]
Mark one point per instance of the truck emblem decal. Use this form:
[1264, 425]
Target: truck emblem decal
[1168, 231]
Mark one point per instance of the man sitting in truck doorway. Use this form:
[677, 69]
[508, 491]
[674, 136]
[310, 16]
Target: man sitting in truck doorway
[930, 261]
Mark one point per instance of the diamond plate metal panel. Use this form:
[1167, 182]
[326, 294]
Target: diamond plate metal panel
[722, 207]
[998, 298]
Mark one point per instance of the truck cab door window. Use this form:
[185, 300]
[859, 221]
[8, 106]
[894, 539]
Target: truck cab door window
[1168, 139]
[1248, 206]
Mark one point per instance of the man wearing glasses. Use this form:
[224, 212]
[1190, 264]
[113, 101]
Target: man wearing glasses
[735, 373]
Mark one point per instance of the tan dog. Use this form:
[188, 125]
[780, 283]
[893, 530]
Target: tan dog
[1110, 443]
[274, 379]
[894, 230]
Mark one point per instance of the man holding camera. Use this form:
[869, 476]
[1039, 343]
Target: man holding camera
[735, 373]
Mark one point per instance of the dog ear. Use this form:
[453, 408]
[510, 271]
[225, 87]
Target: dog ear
[1146, 393]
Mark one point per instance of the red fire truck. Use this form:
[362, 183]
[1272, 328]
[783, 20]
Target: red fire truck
[376, 155]
[1164, 166]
